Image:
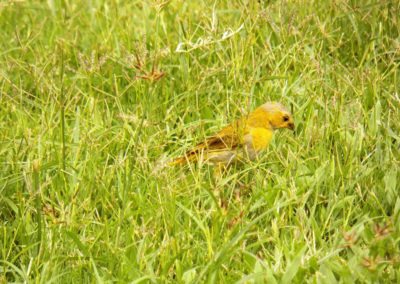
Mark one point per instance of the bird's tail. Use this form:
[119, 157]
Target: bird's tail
[163, 162]
[179, 161]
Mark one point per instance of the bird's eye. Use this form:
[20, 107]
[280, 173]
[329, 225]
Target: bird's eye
[285, 118]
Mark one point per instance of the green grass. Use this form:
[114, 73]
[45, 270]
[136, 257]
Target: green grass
[95, 94]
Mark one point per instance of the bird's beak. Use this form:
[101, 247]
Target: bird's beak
[291, 126]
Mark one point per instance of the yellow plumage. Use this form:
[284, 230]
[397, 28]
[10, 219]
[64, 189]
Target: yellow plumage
[242, 140]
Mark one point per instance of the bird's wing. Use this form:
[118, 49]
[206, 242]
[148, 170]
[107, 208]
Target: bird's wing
[230, 137]
[217, 142]
[211, 144]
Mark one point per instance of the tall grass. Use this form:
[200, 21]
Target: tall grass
[96, 94]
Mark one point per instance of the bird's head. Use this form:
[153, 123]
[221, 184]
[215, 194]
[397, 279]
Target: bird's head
[279, 116]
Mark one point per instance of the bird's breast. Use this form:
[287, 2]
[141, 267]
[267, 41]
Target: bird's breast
[260, 138]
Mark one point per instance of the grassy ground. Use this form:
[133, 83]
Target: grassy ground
[95, 94]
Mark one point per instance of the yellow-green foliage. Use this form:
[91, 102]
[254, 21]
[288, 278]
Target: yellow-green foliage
[95, 94]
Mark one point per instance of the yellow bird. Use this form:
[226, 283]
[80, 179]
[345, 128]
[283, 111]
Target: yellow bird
[242, 140]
